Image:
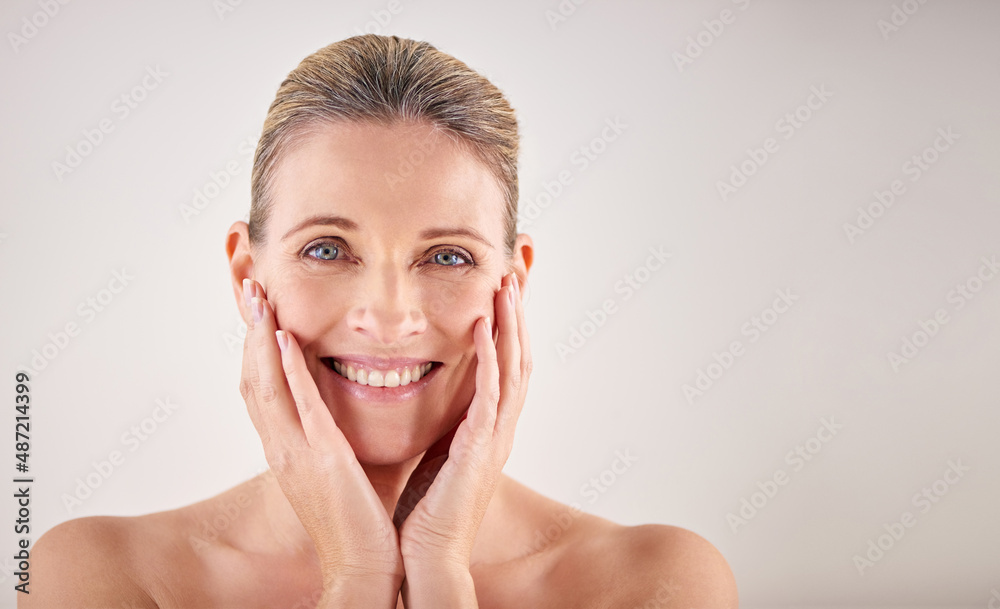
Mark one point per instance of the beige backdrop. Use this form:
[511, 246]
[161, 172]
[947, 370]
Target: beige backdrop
[765, 299]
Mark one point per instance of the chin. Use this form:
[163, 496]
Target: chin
[377, 445]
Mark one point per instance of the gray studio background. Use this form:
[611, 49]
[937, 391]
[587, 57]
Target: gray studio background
[697, 91]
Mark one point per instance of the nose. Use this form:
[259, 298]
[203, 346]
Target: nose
[386, 309]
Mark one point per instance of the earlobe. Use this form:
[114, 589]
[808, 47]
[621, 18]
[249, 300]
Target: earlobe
[240, 262]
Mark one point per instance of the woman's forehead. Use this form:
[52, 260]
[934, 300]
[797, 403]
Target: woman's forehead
[402, 175]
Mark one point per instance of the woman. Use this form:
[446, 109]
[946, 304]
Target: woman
[385, 366]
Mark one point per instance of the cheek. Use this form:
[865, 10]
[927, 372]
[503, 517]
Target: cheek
[307, 309]
[453, 308]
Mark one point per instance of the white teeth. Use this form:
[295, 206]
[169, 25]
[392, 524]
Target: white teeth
[382, 378]
[392, 379]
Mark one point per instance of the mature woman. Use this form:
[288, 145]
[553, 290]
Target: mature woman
[385, 367]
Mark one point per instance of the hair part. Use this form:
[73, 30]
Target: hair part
[388, 80]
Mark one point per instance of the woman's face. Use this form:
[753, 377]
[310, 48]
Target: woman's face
[383, 247]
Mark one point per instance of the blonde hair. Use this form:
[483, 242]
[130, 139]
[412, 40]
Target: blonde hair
[386, 80]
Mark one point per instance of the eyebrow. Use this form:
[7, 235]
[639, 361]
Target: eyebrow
[323, 220]
[350, 225]
[458, 231]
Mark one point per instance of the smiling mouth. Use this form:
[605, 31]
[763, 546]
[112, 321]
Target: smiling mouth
[372, 377]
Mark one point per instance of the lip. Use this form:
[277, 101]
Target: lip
[367, 393]
[378, 363]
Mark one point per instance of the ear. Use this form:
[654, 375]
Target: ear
[524, 255]
[240, 262]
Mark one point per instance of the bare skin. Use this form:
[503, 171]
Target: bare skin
[590, 562]
[379, 497]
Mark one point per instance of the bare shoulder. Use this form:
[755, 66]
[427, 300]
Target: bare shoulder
[87, 562]
[580, 560]
[649, 565]
[675, 566]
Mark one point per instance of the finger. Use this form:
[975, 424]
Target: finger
[320, 429]
[483, 410]
[522, 336]
[277, 409]
[247, 383]
[249, 292]
[249, 377]
[509, 355]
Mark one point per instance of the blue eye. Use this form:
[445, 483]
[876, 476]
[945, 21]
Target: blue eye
[449, 258]
[324, 251]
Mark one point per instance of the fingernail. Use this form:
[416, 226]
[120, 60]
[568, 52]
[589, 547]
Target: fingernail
[489, 328]
[247, 289]
[282, 339]
[257, 305]
[510, 294]
[517, 287]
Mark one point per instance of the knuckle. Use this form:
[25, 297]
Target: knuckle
[527, 367]
[246, 388]
[268, 392]
[301, 402]
[514, 382]
[493, 395]
[281, 462]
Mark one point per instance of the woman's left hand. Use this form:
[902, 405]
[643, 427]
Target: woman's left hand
[440, 510]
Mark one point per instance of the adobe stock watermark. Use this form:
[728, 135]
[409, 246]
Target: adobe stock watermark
[579, 160]
[994, 602]
[924, 501]
[592, 490]
[87, 309]
[132, 439]
[898, 17]
[796, 459]
[627, 287]
[8, 568]
[600, 484]
[408, 164]
[34, 23]
[381, 19]
[562, 12]
[219, 180]
[121, 108]
[787, 126]
[915, 167]
[714, 28]
[223, 8]
[234, 340]
[962, 294]
[755, 327]
[228, 512]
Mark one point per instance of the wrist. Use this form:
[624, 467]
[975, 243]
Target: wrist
[349, 591]
[441, 585]
[453, 566]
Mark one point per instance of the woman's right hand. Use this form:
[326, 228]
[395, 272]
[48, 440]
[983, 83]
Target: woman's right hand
[316, 468]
